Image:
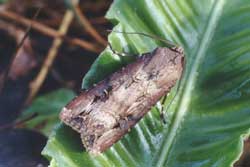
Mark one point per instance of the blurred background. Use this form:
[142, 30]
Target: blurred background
[46, 47]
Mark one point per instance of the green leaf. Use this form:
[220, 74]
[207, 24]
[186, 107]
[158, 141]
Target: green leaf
[47, 108]
[210, 115]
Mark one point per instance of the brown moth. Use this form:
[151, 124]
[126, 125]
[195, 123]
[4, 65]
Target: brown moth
[106, 112]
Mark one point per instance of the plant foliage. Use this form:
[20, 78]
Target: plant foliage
[210, 115]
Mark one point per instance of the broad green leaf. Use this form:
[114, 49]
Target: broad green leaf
[210, 115]
[47, 108]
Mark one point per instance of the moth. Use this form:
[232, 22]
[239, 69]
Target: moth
[104, 113]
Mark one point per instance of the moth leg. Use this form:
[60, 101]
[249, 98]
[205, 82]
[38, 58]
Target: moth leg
[167, 108]
[178, 49]
[106, 91]
[160, 109]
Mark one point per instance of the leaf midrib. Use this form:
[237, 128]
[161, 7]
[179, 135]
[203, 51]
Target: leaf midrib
[189, 81]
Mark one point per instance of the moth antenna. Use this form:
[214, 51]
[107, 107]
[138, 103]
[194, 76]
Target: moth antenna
[118, 53]
[171, 44]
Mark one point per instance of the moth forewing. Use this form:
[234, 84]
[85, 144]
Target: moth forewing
[106, 112]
